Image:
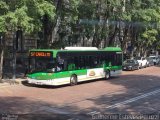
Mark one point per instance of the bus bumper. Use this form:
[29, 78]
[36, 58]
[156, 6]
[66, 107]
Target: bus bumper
[40, 82]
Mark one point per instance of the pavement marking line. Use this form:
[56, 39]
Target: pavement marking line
[93, 113]
[133, 99]
[73, 119]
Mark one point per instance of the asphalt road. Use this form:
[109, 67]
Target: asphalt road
[133, 95]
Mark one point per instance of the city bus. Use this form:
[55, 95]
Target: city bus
[73, 64]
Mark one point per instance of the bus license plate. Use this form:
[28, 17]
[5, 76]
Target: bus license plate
[39, 83]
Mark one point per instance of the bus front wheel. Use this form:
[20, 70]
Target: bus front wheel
[73, 80]
[107, 74]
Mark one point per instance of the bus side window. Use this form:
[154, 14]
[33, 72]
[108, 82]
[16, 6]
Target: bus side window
[91, 64]
[71, 66]
[102, 61]
[70, 63]
[114, 59]
[87, 62]
[99, 61]
[79, 62]
[107, 58]
[76, 62]
[82, 61]
[95, 62]
[119, 59]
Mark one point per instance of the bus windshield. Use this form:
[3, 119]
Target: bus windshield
[41, 64]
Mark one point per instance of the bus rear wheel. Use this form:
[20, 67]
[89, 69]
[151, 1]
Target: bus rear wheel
[73, 80]
[107, 74]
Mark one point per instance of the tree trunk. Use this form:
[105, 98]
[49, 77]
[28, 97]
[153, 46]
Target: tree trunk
[55, 30]
[2, 48]
[112, 36]
[58, 20]
[1, 64]
[125, 35]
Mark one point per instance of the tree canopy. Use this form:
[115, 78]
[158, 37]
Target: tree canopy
[97, 23]
[25, 14]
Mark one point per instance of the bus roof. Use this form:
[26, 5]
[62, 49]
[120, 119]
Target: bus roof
[84, 49]
[81, 48]
[112, 49]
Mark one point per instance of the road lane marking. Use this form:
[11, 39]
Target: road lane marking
[73, 119]
[133, 99]
[93, 113]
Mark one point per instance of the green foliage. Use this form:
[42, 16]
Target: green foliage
[2, 24]
[45, 8]
[150, 36]
[96, 20]
[19, 18]
[24, 14]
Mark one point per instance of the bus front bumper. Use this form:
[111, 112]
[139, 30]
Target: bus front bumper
[40, 82]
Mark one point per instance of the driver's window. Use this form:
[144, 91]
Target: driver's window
[60, 64]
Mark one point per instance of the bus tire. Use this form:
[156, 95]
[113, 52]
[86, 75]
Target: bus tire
[107, 75]
[73, 80]
[141, 66]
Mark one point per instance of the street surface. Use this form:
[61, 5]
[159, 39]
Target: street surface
[133, 93]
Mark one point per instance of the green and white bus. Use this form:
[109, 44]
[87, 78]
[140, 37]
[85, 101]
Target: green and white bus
[73, 64]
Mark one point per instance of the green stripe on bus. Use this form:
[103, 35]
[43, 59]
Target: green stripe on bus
[63, 74]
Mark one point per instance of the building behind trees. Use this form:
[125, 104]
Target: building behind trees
[23, 44]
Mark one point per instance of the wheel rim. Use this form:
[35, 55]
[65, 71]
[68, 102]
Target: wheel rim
[73, 80]
[107, 75]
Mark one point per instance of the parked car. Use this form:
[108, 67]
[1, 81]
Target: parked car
[149, 61]
[155, 59]
[142, 62]
[130, 64]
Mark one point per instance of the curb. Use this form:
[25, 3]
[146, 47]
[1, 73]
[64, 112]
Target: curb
[20, 81]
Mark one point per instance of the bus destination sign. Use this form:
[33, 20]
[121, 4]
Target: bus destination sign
[40, 54]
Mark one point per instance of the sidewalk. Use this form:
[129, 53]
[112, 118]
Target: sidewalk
[17, 81]
[3, 84]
